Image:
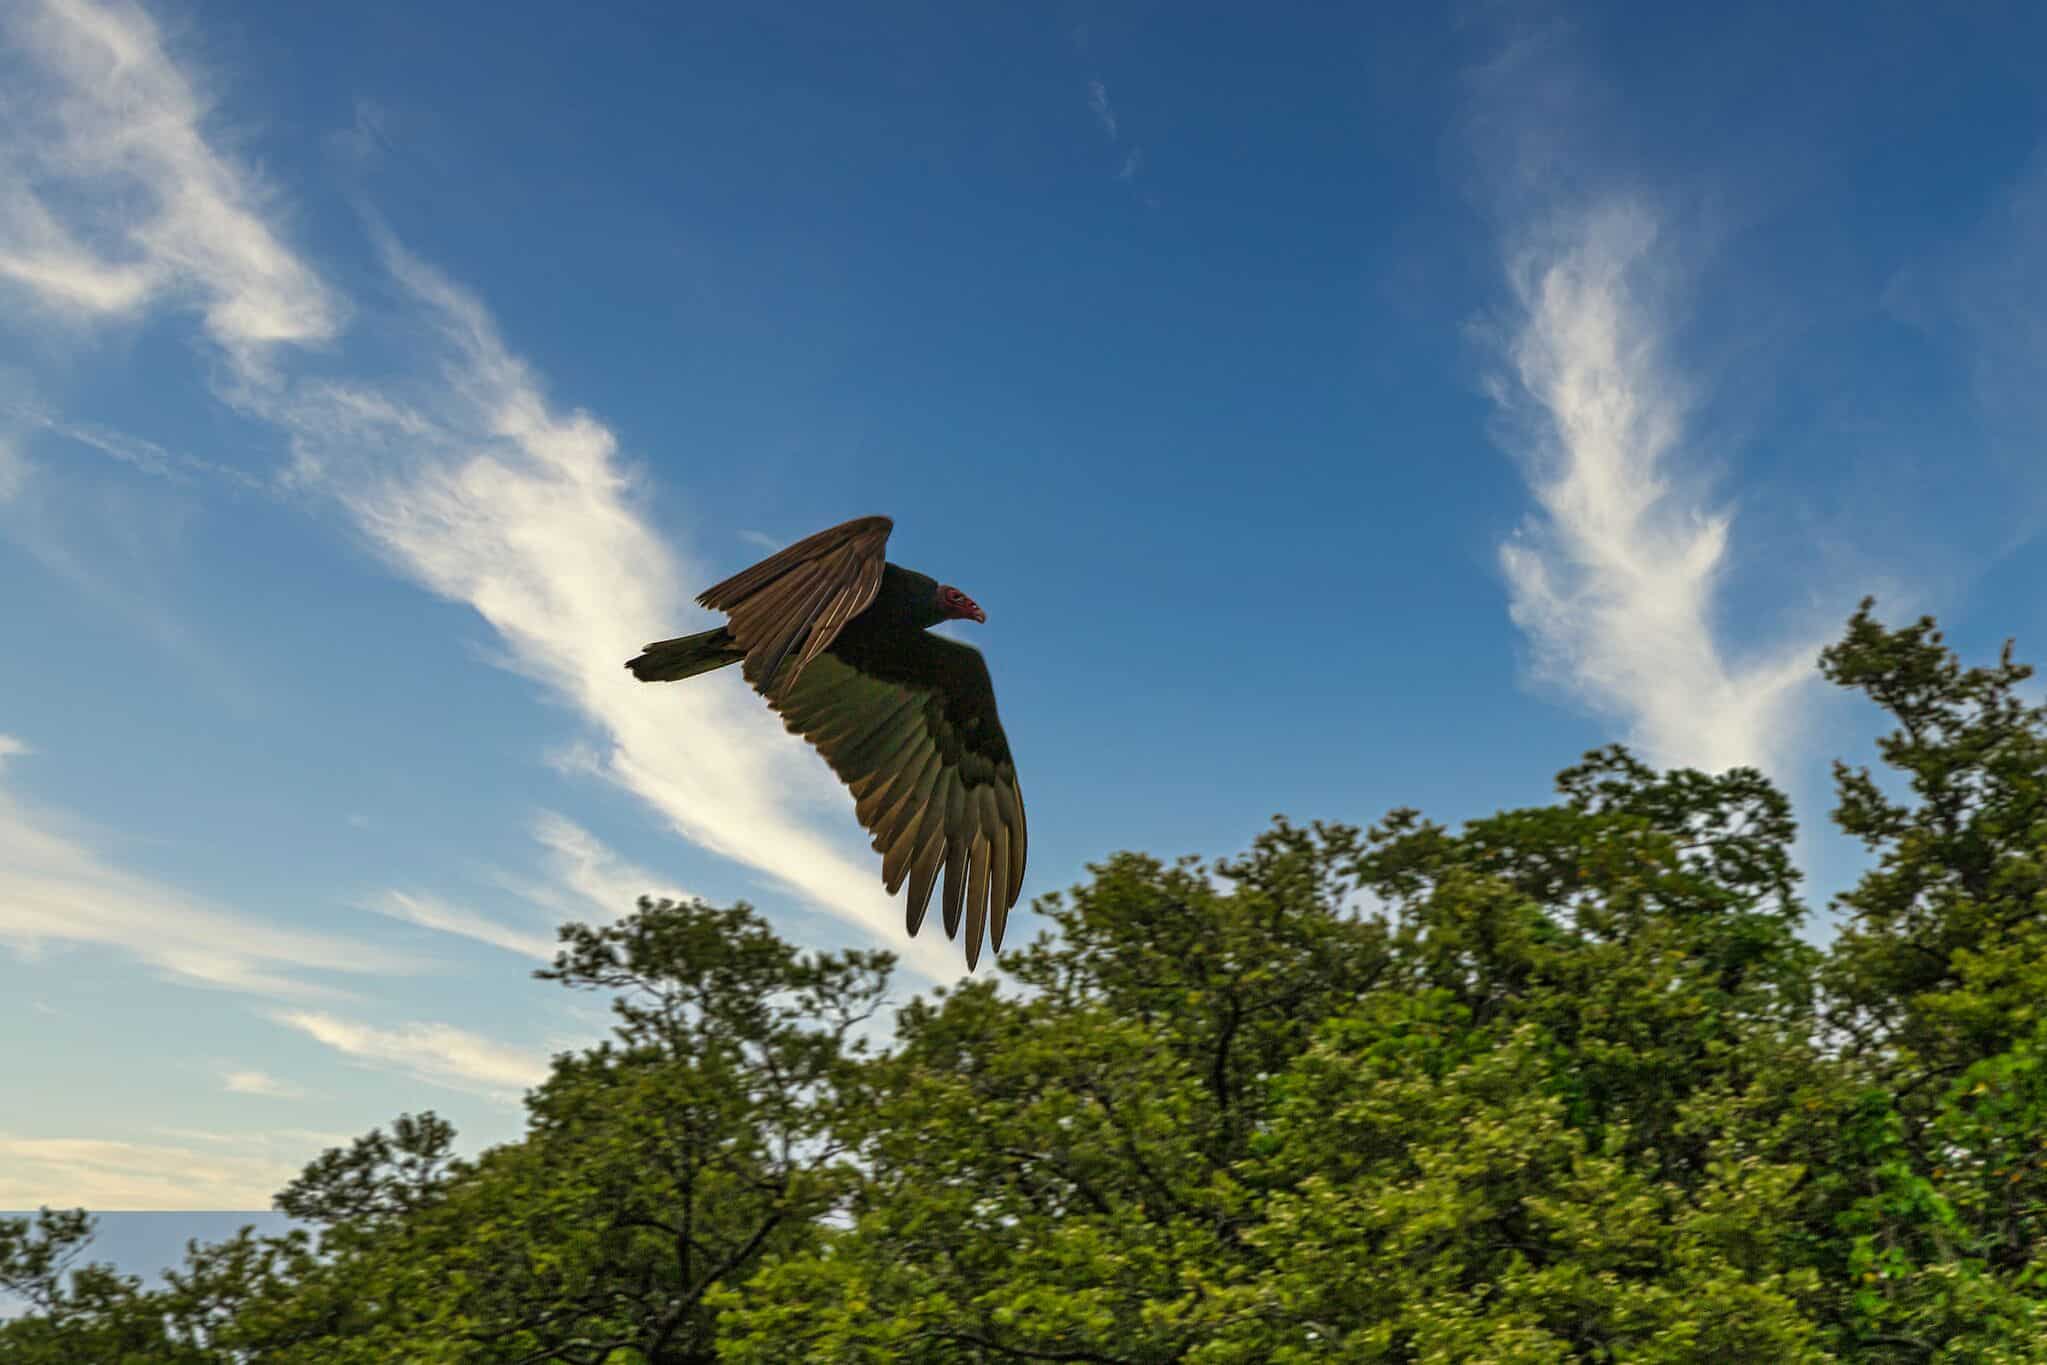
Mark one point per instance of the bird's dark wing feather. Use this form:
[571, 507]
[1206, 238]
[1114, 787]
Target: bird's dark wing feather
[908, 722]
[802, 595]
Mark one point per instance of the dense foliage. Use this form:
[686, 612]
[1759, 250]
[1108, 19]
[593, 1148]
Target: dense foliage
[1565, 1084]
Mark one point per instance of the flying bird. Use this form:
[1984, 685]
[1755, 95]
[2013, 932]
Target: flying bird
[838, 641]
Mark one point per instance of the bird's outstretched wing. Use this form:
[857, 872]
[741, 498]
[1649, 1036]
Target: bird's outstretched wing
[911, 729]
[803, 594]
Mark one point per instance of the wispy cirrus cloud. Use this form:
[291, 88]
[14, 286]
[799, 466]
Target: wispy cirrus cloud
[99, 1173]
[1098, 105]
[112, 197]
[475, 487]
[248, 1082]
[581, 864]
[437, 1053]
[1132, 164]
[56, 890]
[471, 483]
[581, 879]
[430, 912]
[137, 453]
[1616, 577]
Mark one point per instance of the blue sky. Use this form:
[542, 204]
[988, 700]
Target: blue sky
[1332, 411]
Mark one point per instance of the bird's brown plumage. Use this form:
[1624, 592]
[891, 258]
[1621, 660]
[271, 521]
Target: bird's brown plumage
[834, 638]
[805, 593]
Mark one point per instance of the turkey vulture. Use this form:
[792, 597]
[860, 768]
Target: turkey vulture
[838, 641]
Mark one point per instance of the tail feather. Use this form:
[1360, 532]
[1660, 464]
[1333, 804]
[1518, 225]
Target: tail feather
[686, 656]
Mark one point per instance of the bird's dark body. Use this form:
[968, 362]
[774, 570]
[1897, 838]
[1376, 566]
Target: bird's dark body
[839, 643]
[880, 642]
[888, 641]
[906, 600]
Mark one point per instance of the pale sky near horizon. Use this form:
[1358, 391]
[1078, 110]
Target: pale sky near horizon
[1333, 411]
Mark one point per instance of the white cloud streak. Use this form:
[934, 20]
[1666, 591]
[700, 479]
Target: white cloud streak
[1614, 578]
[580, 875]
[1098, 104]
[431, 913]
[440, 1054]
[56, 890]
[143, 455]
[485, 495]
[296, 1138]
[1619, 574]
[473, 486]
[583, 865]
[261, 1083]
[114, 124]
[105, 1175]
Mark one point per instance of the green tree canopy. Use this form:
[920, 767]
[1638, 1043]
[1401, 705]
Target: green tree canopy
[1567, 1083]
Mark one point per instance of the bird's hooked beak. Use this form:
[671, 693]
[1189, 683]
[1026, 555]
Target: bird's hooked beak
[955, 605]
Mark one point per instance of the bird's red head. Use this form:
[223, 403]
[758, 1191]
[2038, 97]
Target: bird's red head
[957, 606]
